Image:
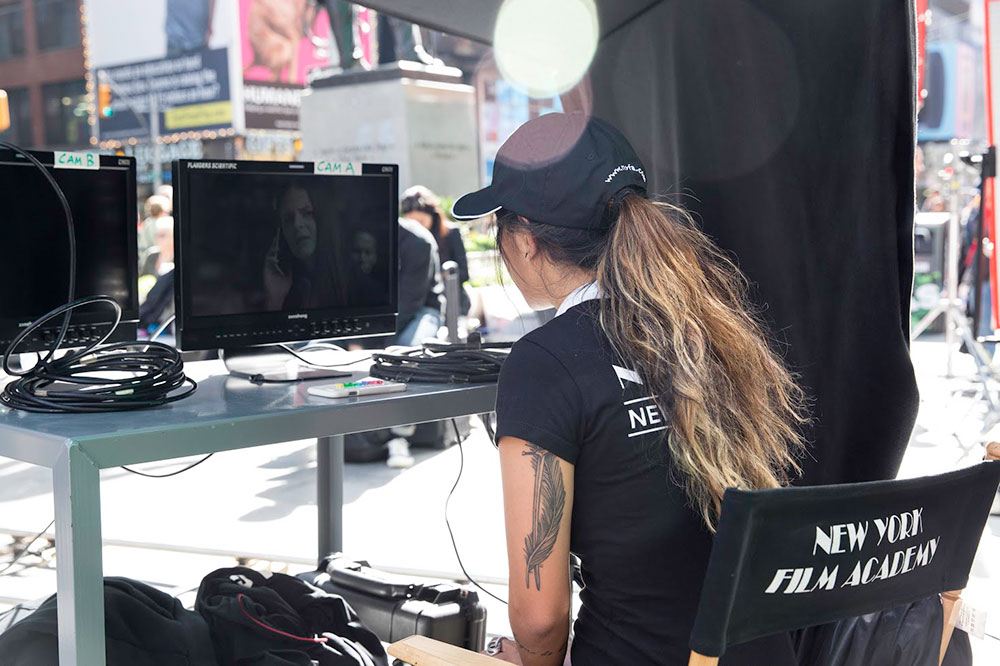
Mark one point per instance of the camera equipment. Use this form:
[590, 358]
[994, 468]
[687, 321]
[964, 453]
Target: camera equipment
[277, 252]
[393, 605]
[34, 270]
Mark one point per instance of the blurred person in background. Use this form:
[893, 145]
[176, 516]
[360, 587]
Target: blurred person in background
[155, 208]
[419, 317]
[934, 202]
[167, 192]
[421, 291]
[422, 205]
[156, 279]
[159, 258]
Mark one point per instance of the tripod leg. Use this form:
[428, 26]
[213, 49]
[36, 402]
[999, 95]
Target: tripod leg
[928, 319]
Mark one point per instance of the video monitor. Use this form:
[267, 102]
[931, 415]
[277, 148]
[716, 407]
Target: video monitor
[273, 252]
[34, 252]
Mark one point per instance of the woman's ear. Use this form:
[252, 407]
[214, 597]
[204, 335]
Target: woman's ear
[527, 247]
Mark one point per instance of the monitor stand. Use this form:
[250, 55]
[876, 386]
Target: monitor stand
[273, 364]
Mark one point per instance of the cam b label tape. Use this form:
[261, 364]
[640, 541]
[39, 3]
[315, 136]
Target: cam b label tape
[70, 160]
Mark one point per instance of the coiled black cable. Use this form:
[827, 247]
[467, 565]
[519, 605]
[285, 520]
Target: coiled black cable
[471, 363]
[75, 382]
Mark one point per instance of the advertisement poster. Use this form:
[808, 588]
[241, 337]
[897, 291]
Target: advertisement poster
[281, 42]
[184, 64]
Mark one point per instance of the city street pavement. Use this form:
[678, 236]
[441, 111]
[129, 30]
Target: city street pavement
[261, 503]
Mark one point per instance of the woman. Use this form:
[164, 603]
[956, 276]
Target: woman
[302, 268]
[422, 205]
[621, 422]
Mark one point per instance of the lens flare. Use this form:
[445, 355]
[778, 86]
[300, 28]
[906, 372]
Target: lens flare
[545, 48]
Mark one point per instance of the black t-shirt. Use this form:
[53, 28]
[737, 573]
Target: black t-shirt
[643, 550]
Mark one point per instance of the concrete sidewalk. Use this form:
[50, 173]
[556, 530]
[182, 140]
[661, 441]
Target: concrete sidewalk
[262, 502]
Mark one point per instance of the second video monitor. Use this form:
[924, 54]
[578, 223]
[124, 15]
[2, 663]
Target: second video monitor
[271, 252]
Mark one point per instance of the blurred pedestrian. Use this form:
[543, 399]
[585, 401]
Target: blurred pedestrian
[156, 281]
[422, 205]
[419, 317]
[155, 208]
[934, 202]
[159, 258]
[167, 192]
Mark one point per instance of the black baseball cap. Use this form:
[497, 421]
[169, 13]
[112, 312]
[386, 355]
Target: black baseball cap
[560, 169]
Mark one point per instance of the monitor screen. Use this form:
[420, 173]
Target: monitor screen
[34, 270]
[278, 252]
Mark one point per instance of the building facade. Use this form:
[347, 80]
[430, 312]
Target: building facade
[42, 69]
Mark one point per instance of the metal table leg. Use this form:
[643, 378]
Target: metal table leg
[79, 571]
[330, 493]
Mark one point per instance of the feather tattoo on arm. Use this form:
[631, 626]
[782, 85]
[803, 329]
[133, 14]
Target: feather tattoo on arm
[546, 512]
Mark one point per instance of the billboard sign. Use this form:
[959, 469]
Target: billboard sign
[164, 67]
[281, 42]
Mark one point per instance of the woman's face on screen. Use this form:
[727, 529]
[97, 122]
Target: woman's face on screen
[298, 222]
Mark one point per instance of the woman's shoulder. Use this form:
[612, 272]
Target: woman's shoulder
[566, 335]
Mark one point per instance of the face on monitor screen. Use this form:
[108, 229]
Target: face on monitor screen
[267, 242]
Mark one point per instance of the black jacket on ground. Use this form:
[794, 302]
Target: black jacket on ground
[280, 620]
[144, 627]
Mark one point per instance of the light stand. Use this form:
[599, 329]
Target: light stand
[949, 305]
[957, 323]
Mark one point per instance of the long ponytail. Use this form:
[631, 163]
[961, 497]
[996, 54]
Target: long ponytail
[676, 307]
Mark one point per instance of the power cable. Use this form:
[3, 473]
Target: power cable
[304, 360]
[451, 534]
[164, 476]
[77, 382]
[27, 546]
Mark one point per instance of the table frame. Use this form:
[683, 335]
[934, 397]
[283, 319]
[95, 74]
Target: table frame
[76, 462]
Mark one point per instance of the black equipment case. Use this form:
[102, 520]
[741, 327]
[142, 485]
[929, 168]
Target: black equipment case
[395, 607]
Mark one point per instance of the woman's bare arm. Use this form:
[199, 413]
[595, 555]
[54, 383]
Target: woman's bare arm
[538, 502]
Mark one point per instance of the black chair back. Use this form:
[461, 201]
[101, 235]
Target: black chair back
[791, 558]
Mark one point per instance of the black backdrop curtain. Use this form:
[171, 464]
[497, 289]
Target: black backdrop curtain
[787, 128]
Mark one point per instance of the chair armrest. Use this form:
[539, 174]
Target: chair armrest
[423, 651]
[951, 603]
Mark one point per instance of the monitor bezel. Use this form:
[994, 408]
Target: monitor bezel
[192, 330]
[10, 327]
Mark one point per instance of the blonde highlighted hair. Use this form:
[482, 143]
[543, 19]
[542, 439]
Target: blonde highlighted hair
[675, 307]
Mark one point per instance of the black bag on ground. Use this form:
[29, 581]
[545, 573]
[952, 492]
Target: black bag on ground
[279, 620]
[143, 627]
[395, 607]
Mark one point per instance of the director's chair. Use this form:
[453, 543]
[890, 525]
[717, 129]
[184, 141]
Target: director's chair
[764, 535]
